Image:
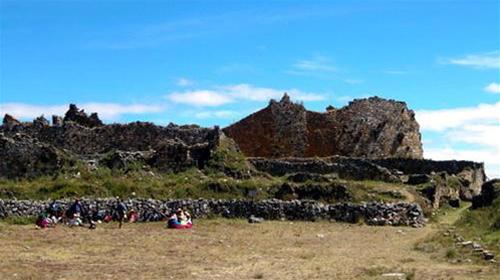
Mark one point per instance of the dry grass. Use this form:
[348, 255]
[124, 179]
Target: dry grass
[224, 249]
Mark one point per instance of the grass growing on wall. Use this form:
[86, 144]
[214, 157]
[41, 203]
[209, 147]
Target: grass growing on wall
[103, 182]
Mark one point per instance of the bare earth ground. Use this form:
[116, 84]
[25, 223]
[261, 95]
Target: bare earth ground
[224, 249]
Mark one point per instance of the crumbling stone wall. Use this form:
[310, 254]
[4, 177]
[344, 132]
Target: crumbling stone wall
[169, 147]
[343, 167]
[407, 214]
[470, 175]
[369, 128]
[21, 154]
[290, 124]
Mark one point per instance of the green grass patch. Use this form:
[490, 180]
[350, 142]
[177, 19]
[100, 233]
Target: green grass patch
[483, 224]
[17, 220]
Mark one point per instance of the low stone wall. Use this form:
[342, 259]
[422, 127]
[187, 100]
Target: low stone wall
[344, 167]
[373, 213]
[471, 174]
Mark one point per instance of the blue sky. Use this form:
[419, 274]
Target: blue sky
[213, 62]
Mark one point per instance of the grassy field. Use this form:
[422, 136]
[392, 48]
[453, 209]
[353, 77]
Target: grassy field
[226, 249]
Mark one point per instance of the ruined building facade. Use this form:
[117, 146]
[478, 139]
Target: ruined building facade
[368, 128]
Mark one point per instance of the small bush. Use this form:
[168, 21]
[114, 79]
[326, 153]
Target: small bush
[451, 253]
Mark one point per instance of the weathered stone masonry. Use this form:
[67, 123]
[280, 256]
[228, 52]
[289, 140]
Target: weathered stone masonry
[367, 128]
[373, 213]
[36, 148]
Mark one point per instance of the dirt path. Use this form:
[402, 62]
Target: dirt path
[224, 249]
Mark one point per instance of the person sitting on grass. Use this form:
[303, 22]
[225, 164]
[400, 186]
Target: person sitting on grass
[44, 221]
[133, 216]
[55, 211]
[180, 219]
[74, 213]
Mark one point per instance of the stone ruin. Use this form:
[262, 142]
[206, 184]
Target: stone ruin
[369, 139]
[367, 128]
[29, 149]
[446, 181]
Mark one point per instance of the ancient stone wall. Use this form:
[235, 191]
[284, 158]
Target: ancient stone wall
[408, 214]
[343, 167]
[80, 136]
[21, 154]
[369, 128]
[137, 136]
[469, 174]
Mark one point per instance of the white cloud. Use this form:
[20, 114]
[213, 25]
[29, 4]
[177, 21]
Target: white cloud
[479, 61]
[470, 133]
[249, 92]
[488, 156]
[200, 98]
[113, 111]
[183, 82]
[440, 120]
[106, 111]
[232, 93]
[224, 114]
[493, 88]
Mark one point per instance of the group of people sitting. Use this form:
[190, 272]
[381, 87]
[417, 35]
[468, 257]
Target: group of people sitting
[78, 215]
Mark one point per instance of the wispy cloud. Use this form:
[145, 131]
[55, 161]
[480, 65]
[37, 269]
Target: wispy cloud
[184, 82]
[395, 72]
[233, 93]
[223, 114]
[493, 88]
[202, 25]
[317, 66]
[317, 63]
[353, 81]
[488, 60]
[470, 133]
[107, 111]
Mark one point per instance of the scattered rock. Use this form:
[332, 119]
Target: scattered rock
[466, 243]
[488, 255]
[255, 220]
[398, 275]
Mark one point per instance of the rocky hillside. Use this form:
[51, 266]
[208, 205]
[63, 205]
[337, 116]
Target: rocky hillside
[369, 128]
